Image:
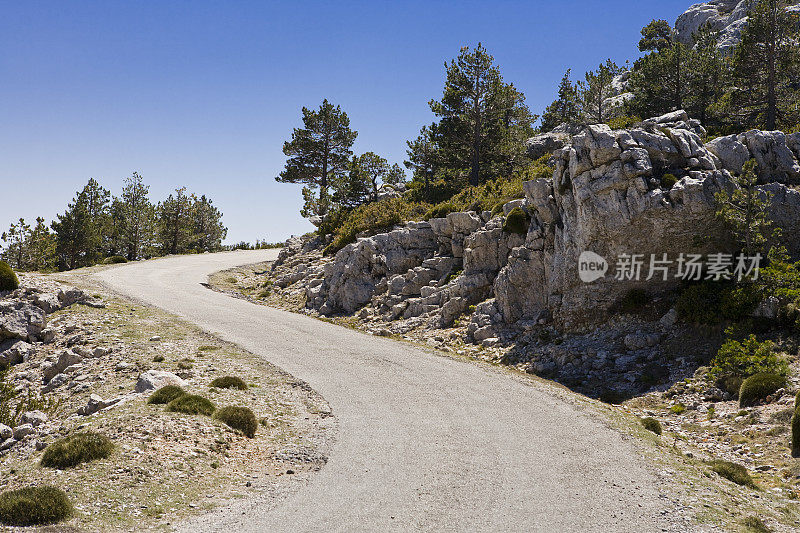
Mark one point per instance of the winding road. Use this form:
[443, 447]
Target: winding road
[426, 443]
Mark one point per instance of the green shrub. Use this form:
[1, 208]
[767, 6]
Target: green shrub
[191, 404]
[371, 219]
[668, 181]
[440, 210]
[8, 280]
[240, 418]
[757, 387]
[746, 358]
[623, 122]
[678, 408]
[796, 433]
[497, 209]
[158, 359]
[712, 302]
[34, 506]
[733, 472]
[753, 524]
[651, 424]
[730, 384]
[76, 449]
[114, 260]
[517, 222]
[634, 300]
[229, 382]
[165, 394]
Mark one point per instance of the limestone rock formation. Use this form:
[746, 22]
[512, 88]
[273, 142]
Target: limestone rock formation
[728, 17]
[609, 194]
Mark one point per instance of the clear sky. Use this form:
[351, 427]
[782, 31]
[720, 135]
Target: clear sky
[203, 94]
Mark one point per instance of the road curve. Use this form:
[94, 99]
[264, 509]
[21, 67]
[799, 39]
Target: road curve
[425, 443]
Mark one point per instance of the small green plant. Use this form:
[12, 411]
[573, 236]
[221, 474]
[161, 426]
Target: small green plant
[165, 394]
[678, 408]
[517, 222]
[757, 387]
[34, 506]
[747, 357]
[229, 382]
[440, 210]
[8, 280]
[651, 424]
[207, 348]
[114, 260]
[240, 418]
[733, 472]
[753, 524]
[191, 404]
[185, 364]
[668, 181]
[623, 122]
[158, 359]
[76, 449]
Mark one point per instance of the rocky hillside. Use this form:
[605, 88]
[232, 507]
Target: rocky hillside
[646, 190]
[726, 16]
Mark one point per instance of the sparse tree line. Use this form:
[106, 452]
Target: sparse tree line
[756, 86]
[97, 225]
[480, 132]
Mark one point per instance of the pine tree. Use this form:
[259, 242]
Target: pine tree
[319, 153]
[595, 90]
[424, 159]
[478, 115]
[207, 229]
[15, 238]
[765, 67]
[745, 211]
[707, 75]
[174, 223]
[73, 231]
[565, 109]
[138, 217]
[41, 247]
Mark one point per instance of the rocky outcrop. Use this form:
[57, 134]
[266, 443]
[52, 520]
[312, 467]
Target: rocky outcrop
[728, 17]
[649, 190]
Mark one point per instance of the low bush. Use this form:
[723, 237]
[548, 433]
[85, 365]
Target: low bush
[747, 357]
[34, 506]
[757, 387]
[191, 404]
[796, 433]
[730, 384]
[76, 449]
[668, 181]
[753, 524]
[440, 211]
[240, 418]
[678, 408]
[370, 219]
[8, 280]
[712, 302]
[623, 122]
[165, 394]
[229, 382]
[651, 424]
[733, 472]
[517, 222]
[114, 260]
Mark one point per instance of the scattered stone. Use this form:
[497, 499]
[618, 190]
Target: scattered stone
[155, 379]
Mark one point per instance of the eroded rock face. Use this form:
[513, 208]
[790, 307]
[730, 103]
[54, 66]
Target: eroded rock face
[728, 17]
[609, 194]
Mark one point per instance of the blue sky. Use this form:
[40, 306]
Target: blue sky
[203, 94]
